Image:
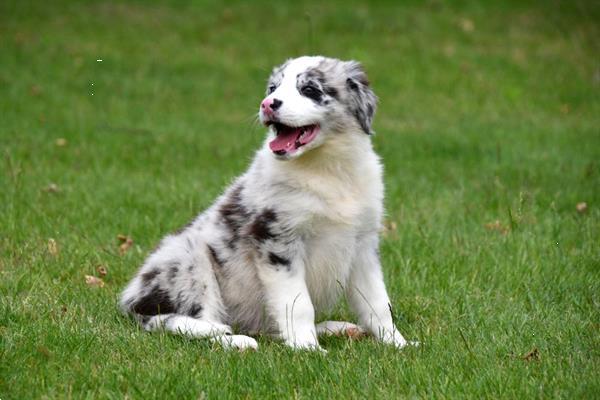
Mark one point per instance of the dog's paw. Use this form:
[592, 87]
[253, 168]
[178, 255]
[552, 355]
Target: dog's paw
[307, 347]
[308, 344]
[401, 343]
[239, 342]
[396, 339]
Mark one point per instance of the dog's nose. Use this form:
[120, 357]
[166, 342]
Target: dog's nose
[268, 105]
[276, 104]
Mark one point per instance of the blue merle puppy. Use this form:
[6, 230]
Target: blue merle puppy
[299, 229]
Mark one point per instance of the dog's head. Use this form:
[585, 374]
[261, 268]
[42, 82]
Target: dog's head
[310, 100]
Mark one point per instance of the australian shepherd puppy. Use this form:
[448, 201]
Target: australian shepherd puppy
[290, 236]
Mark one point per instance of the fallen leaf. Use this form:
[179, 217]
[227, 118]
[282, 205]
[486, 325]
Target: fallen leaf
[126, 243]
[61, 142]
[497, 226]
[94, 281]
[52, 247]
[35, 90]
[564, 108]
[51, 188]
[102, 271]
[449, 50]
[389, 227]
[581, 207]
[467, 25]
[533, 355]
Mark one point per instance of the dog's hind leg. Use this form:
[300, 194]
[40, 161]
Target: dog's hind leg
[339, 328]
[197, 328]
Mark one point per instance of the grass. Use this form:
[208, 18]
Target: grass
[489, 111]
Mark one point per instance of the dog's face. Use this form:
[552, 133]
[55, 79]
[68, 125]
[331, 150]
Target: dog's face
[310, 100]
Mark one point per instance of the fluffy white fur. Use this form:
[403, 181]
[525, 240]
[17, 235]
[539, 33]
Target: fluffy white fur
[290, 236]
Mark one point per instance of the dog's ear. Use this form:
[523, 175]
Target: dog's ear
[362, 102]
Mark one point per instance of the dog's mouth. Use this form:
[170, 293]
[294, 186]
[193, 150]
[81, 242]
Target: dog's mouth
[289, 139]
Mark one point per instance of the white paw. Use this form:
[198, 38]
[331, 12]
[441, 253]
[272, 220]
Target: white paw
[395, 338]
[218, 328]
[401, 342]
[240, 342]
[306, 347]
[308, 342]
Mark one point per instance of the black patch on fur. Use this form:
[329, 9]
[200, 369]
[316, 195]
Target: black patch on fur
[362, 100]
[234, 215]
[214, 257]
[191, 267]
[150, 275]
[195, 309]
[313, 84]
[331, 91]
[312, 92]
[157, 301]
[259, 229]
[274, 259]
[351, 84]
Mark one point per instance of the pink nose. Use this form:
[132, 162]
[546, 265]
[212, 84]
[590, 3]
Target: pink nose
[270, 105]
[266, 104]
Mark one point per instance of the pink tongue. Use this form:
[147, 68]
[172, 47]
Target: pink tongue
[285, 140]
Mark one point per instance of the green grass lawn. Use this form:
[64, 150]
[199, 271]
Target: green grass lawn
[489, 129]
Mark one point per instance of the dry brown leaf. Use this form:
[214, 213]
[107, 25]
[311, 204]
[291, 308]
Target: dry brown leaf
[581, 207]
[533, 355]
[101, 269]
[126, 243]
[51, 188]
[94, 281]
[449, 50]
[497, 226]
[52, 247]
[35, 90]
[467, 25]
[61, 142]
[389, 227]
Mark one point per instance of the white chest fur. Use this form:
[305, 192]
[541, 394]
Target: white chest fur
[334, 203]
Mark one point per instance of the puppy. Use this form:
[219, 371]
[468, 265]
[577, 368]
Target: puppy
[299, 229]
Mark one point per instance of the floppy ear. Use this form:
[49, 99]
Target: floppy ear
[362, 102]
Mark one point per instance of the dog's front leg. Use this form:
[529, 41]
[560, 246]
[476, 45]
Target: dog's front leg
[368, 296]
[288, 301]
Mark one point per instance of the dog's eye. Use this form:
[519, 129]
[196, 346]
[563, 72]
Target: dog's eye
[271, 89]
[311, 92]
